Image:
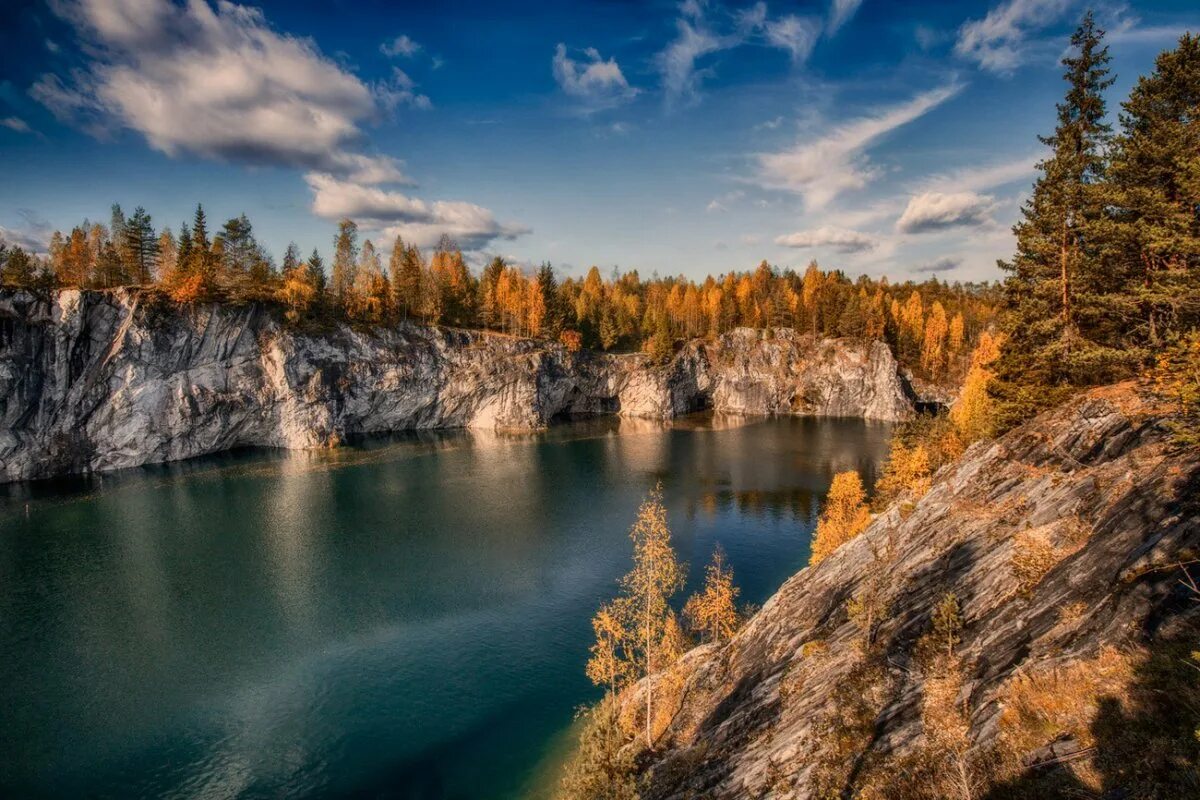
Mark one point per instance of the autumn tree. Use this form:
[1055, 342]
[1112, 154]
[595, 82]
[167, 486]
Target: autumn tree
[712, 612]
[844, 517]
[645, 594]
[973, 413]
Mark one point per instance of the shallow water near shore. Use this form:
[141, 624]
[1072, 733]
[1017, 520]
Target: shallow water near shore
[405, 617]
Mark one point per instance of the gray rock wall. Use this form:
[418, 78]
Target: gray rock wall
[104, 380]
[1096, 480]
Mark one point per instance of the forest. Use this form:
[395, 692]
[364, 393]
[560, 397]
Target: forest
[930, 326]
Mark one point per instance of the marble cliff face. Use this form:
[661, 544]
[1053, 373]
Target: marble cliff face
[1095, 487]
[103, 380]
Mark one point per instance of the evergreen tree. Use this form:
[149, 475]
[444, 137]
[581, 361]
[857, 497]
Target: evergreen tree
[1052, 345]
[1153, 241]
[345, 256]
[138, 246]
[316, 272]
[547, 285]
[405, 269]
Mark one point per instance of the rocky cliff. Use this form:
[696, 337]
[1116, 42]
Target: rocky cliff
[1070, 545]
[103, 380]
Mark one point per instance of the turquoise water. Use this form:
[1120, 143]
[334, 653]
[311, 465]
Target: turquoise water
[405, 618]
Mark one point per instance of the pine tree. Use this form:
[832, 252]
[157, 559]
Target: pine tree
[138, 245]
[316, 272]
[1056, 289]
[1154, 238]
[345, 256]
[405, 266]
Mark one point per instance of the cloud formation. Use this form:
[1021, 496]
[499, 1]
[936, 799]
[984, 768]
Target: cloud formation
[999, 42]
[933, 211]
[216, 82]
[401, 46]
[596, 83]
[797, 35]
[396, 214]
[15, 124]
[699, 35]
[821, 169]
[677, 63]
[400, 90]
[840, 240]
[33, 236]
[943, 264]
[840, 12]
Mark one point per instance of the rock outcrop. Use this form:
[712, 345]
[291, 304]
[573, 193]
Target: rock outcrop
[104, 380]
[1062, 541]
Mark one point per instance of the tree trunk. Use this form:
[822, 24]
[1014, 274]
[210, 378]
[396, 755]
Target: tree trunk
[1066, 278]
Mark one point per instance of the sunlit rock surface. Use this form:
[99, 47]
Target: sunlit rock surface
[103, 380]
[1095, 481]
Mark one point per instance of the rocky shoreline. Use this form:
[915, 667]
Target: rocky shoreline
[93, 381]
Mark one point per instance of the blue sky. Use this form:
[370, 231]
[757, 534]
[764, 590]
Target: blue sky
[878, 137]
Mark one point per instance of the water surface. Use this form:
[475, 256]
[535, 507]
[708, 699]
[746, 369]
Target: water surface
[405, 618]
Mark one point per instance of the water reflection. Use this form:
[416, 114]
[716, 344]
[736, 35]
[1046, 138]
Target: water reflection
[406, 614]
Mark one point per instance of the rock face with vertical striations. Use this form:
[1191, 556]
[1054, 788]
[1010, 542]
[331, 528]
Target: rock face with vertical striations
[102, 380]
[1070, 544]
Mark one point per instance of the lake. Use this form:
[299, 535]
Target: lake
[403, 618]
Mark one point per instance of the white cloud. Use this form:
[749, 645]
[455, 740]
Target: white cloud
[677, 63]
[840, 12]
[401, 46]
[980, 178]
[15, 124]
[821, 169]
[400, 90]
[722, 203]
[769, 125]
[998, 42]
[397, 214]
[33, 236]
[931, 211]
[840, 240]
[795, 34]
[596, 83]
[217, 82]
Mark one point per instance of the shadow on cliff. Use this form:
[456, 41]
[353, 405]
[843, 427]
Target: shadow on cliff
[1146, 742]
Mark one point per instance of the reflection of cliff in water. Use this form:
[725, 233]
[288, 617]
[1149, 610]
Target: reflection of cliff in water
[798, 504]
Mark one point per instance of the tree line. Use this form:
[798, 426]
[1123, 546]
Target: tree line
[930, 325]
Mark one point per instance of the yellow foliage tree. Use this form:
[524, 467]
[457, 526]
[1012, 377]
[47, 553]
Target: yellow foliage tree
[713, 612]
[637, 634]
[974, 411]
[845, 515]
[907, 472]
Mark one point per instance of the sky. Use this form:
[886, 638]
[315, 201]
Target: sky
[673, 138]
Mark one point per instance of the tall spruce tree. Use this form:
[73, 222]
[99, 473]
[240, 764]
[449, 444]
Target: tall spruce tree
[345, 258]
[1056, 341]
[1153, 241]
[138, 245]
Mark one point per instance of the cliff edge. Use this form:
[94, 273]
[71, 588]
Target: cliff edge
[1070, 547]
[102, 380]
